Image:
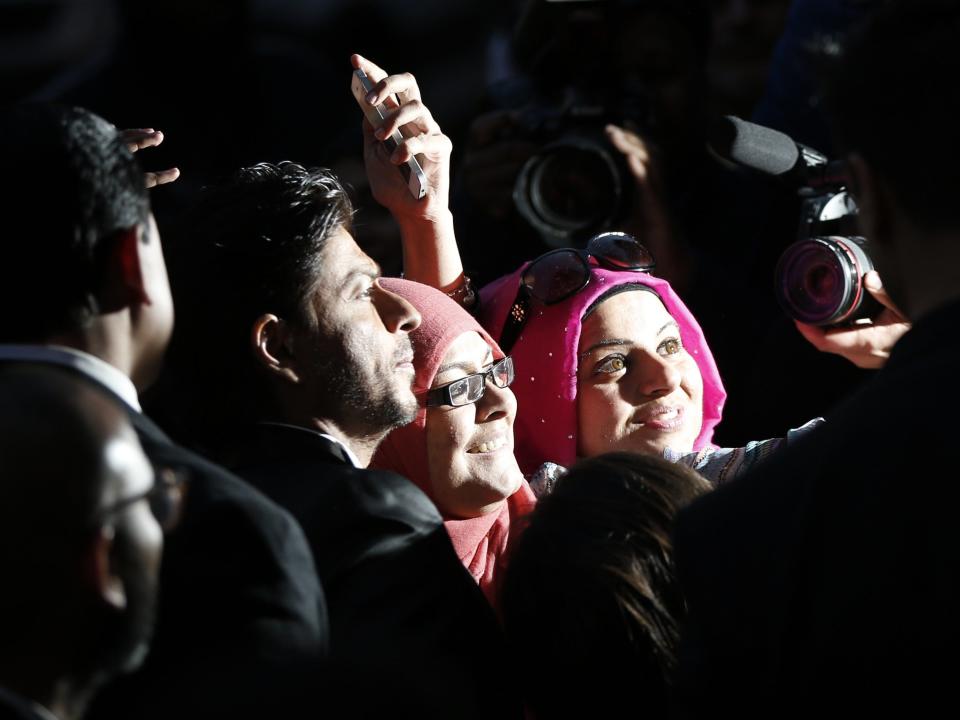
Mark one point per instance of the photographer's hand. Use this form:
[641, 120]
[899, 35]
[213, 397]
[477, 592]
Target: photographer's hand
[430, 253]
[140, 139]
[651, 222]
[865, 345]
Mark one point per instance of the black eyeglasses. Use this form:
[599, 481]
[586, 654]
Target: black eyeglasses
[559, 274]
[471, 388]
[165, 498]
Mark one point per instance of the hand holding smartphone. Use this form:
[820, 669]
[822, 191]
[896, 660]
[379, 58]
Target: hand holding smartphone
[376, 115]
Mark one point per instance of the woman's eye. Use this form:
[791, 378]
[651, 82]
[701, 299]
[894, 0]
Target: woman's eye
[670, 346]
[611, 364]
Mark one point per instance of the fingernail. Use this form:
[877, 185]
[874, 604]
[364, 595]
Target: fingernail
[379, 133]
[371, 97]
[872, 280]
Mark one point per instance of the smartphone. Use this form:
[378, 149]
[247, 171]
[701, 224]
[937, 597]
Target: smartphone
[412, 171]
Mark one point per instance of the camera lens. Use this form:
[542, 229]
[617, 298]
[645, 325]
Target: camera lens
[571, 188]
[819, 281]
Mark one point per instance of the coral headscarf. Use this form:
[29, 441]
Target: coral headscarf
[481, 542]
[545, 357]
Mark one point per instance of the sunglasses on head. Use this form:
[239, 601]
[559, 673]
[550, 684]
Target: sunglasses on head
[560, 274]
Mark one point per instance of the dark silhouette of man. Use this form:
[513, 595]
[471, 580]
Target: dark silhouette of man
[85, 286]
[79, 545]
[828, 581]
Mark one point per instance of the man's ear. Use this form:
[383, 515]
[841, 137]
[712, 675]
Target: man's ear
[124, 283]
[273, 344]
[873, 199]
[102, 575]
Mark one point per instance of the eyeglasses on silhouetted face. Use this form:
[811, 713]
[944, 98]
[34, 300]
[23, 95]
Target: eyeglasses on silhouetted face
[165, 498]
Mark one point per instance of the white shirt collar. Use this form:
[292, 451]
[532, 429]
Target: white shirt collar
[90, 365]
[336, 441]
[18, 700]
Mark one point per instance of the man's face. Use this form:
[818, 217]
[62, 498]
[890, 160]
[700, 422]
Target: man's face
[154, 326]
[359, 360]
[138, 546]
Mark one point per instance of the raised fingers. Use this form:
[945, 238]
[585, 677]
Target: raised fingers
[140, 138]
[404, 86]
[431, 146]
[412, 113]
[370, 69]
[161, 177]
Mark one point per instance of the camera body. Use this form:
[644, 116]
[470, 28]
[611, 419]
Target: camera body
[819, 278]
[577, 183]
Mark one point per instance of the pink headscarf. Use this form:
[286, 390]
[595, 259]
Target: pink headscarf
[481, 543]
[545, 357]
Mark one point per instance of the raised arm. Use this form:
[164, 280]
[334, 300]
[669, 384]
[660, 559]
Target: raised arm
[430, 253]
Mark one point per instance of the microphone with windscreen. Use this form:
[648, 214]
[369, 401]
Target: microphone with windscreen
[770, 152]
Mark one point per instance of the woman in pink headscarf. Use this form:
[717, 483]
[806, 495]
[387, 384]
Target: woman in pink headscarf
[607, 356]
[459, 450]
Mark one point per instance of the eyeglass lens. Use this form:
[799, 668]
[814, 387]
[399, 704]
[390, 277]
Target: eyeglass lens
[166, 498]
[471, 388]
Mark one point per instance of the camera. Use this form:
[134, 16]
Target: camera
[577, 183]
[818, 279]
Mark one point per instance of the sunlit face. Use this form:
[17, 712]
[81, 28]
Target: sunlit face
[358, 354]
[154, 326]
[638, 388]
[138, 547]
[470, 447]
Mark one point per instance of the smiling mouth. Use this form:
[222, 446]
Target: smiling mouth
[664, 419]
[488, 447]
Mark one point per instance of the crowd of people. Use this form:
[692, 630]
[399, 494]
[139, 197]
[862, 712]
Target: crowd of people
[430, 496]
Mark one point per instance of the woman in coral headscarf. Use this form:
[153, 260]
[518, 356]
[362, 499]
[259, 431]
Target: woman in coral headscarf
[459, 450]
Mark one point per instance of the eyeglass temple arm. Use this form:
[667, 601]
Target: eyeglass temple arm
[516, 319]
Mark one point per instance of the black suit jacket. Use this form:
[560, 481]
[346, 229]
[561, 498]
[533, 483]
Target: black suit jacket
[403, 609]
[238, 599]
[15, 707]
[829, 579]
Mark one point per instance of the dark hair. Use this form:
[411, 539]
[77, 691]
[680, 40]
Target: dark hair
[892, 96]
[71, 186]
[616, 290]
[590, 587]
[252, 245]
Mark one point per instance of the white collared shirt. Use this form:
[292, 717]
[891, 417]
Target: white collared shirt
[17, 700]
[336, 441]
[90, 365]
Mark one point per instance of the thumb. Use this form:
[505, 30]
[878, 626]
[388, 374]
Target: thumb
[874, 285]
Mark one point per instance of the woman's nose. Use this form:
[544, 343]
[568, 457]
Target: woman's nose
[657, 376]
[496, 403]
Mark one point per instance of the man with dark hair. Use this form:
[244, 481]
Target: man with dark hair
[830, 577]
[86, 289]
[79, 546]
[299, 363]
